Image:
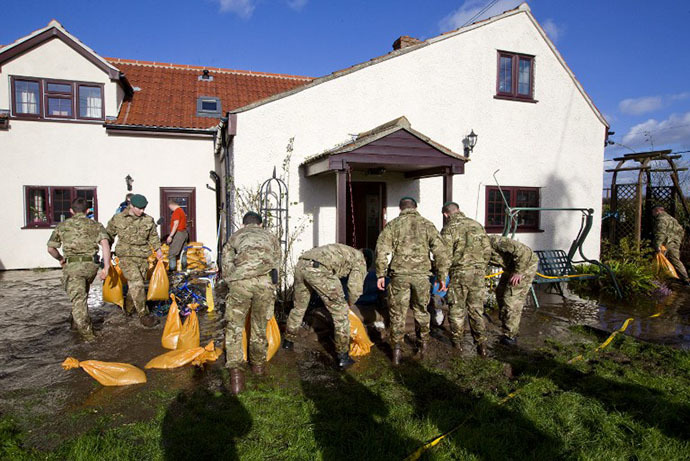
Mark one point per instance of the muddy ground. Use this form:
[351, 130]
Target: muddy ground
[52, 405]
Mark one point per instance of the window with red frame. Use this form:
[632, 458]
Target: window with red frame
[46, 206]
[515, 197]
[515, 79]
[56, 99]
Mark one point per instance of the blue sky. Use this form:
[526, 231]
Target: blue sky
[629, 55]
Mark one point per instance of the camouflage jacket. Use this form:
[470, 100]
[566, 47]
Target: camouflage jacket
[344, 261]
[78, 235]
[409, 238]
[250, 252]
[511, 255]
[137, 235]
[667, 230]
[467, 241]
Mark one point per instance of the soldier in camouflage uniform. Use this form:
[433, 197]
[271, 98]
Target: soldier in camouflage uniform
[250, 260]
[470, 253]
[519, 265]
[320, 269]
[408, 239]
[669, 233]
[79, 238]
[137, 236]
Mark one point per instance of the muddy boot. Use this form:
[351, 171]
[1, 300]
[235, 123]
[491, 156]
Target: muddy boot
[423, 349]
[235, 384]
[129, 307]
[344, 361]
[508, 341]
[482, 351]
[259, 369]
[288, 345]
[148, 320]
[86, 332]
[397, 355]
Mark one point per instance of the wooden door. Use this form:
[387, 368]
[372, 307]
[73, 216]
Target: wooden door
[186, 198]
[367, 204]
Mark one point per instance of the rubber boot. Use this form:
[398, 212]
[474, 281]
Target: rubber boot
[508, 341]
[86, 332]
[423, 349]
[344, 361]
[259, 369]
[482, 351]
[288, 345]
[397, 355]
[148, 320]
[235, 384]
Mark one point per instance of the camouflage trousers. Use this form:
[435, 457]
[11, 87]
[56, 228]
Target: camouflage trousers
[134, 269]
[466, 295]
[673, 255]
[511, 299]
[76, 280]
[330, 290]
[405, 291]
[257, 297]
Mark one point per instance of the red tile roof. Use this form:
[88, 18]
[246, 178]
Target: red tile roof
[165, 95]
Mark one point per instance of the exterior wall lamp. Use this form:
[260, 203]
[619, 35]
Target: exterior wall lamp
[470, 141]
[129, 180]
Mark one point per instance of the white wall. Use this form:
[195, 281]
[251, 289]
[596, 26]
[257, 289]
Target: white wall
[445, 90]
[48, 153]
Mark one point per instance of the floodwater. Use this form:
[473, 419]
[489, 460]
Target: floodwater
[35, 338]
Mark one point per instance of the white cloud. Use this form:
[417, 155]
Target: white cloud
[470, 8]
[553, 30]
[242, 8]
[297, 5]
[638, 106]
[680, 96]
[671, 131]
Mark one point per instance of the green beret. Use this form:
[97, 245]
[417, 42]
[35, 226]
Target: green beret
[138, 201]
[407, 197]
[450, 203]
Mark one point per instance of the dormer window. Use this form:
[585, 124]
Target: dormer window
[53, 99]
[208, 106]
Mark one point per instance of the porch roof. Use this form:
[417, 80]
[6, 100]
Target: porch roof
[393, 146]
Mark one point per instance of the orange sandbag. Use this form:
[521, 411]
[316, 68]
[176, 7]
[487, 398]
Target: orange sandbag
[112, 286]
[662, 266]
[159, 285]
[272, 335]
[360, 344]
[108, 373]
[189, 334]
[210, 354]
[173, 326]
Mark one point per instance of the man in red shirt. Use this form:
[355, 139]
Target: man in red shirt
[178, 233]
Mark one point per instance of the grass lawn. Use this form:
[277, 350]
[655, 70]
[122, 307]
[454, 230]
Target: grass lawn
[631, 401]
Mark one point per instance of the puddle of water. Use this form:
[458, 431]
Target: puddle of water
[35, 338]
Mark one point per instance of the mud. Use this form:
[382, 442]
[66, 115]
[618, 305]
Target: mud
[52, 404]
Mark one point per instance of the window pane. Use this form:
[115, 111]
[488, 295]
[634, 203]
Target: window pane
[59, 88]
[211, 106]
[524, 76]
[62, 200]
[90, 102]
[37, 206]
[505, 75]
[26, 97]
[59, 107]
[89, 196]
[527, 198]
[496, 208]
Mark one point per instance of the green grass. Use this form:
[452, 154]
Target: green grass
[631, 401]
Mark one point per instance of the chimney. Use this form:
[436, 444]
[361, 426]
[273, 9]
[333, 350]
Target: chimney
[404, 41]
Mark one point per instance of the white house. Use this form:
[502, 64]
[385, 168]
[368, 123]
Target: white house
[398, 125]
[73, 123]
[359, 139]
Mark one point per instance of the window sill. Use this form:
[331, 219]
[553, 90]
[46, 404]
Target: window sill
[38, 226]
[90, 121]
[506, 97]
[496, 230]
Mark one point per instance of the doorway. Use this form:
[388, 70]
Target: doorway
[367, 204]
[186, 198]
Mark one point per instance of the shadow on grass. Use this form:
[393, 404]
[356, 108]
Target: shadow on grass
[488, 431]
[349, 420]
[649, 406]
[204, 425]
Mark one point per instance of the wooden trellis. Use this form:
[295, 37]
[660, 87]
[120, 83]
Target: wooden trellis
[632, 203]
